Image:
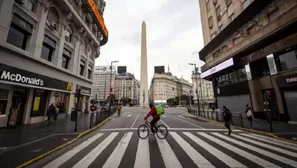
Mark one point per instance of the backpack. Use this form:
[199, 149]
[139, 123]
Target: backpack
[160, 109]
[249, 113]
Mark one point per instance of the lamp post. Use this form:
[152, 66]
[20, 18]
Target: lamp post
[110, 90]
[196, 78]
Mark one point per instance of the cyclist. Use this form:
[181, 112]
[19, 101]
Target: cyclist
[156, 117]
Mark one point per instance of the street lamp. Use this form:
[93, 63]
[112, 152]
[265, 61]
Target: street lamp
[110, 90]
[196, 78]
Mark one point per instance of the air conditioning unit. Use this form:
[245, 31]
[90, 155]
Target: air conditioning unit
[20, 1]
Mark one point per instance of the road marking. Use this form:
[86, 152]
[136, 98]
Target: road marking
[164, 123]
[173, 129]
[66, 156]
[3, 148]
[258, 150]
[142, 155]
[135, 121]
[169, 158]
[220, 155]
[116, 156]
[188, 122]
[275, 140]
[181, 116]
[269, 141]
[36, 150]
[197, 158]
[240, 152]
[90, 157]
[129, 115]
[266, 146]
[65, 139]
[163, 116]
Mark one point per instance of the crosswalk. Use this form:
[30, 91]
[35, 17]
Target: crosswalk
[206, 149]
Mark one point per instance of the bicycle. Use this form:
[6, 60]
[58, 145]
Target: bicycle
[145, 129]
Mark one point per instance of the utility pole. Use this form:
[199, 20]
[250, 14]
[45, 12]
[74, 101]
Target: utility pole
[196, 81]
[110, 90]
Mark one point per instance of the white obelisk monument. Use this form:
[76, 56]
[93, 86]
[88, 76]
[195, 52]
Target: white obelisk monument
[143, 69]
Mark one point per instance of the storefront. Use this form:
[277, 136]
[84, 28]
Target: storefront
[25, 96]
[288, 88]
[84, 101]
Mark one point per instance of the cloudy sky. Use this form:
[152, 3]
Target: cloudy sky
[173, 35]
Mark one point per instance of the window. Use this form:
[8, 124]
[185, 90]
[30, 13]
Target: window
[287, 60]
[39, 103]
[66, 58]
[82, 67]
[65, 62]
[241, 74]
[30, 5]
[69, 34]
[48, 48]
[218, 12]
[19, 32]
[3, 100]
[210, 22]
[228, 2]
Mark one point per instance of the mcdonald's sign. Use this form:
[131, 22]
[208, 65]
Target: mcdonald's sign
[69, 86]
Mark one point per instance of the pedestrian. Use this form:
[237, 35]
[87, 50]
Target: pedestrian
[51, 113]
[227, 118]
[249, 115]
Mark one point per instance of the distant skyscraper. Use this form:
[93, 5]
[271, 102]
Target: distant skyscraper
[143, 69]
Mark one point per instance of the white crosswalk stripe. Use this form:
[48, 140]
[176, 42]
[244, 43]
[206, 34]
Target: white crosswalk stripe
[269, 141]
[168, 155]
[215, 152]
[218, 149]
[267, 146]
[197, 158]
[261, 151]
[88, 159]
[246, 155]
[59, 161]
[143, 154]
[275, 140]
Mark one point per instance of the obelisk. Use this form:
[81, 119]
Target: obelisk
[143, 69]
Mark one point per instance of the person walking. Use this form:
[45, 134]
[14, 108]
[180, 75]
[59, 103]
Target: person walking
[227, 118]
[51, 113]
[249, 115]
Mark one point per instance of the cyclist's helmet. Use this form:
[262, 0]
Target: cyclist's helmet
[151, 105]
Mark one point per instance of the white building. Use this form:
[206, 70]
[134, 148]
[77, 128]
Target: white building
[101, 82]
[47, 53]
[204, 89]
[127, 87]
[165, 86]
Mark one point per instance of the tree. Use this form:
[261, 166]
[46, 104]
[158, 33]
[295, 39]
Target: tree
[171, 101]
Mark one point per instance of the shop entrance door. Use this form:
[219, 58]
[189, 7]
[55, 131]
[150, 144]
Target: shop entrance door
[18, 105]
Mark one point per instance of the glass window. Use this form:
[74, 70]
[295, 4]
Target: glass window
[288, 60]
[17, 37]
[47, 52]
[89, 73]
[30, 5]
[81, 72]
[65, 61]
[39, 103]
[241, 74]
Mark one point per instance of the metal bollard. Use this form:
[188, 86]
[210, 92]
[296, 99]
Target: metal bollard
[241, 120]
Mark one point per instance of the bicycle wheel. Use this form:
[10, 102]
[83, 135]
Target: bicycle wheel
[162, 132]
[143, 131]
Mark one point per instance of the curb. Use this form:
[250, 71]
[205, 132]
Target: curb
[27, 163]
[249, 130]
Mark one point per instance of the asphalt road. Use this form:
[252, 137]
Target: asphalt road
[190, 143]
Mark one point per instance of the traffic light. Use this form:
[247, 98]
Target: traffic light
[268, 94]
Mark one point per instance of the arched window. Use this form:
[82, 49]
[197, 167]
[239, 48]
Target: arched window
[52, 19]
[69, 34]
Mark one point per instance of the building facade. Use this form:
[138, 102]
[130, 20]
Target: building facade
[165, 86]
[103, 75]
[250, 55]
[204, 89]
[47, 53]
[127, 86]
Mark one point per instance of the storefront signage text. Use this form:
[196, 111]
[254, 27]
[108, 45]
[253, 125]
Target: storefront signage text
[218, 68]
[6, 75]
[291, 80]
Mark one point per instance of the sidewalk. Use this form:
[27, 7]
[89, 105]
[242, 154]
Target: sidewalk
[26, 133]
[280, 129]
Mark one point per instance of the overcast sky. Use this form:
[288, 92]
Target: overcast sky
[173, 34]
